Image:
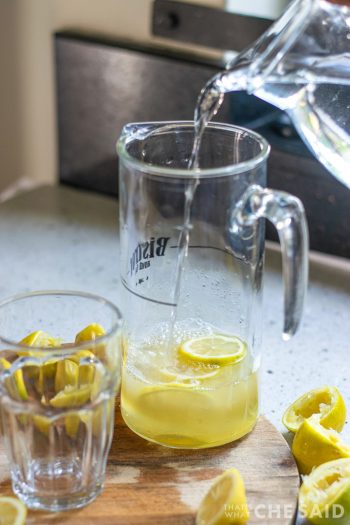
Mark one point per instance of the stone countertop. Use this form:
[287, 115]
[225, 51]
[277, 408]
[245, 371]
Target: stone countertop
[58, 237]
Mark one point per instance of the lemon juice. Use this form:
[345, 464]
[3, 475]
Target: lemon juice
[200, 391]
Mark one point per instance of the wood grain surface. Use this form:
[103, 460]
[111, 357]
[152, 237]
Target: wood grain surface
[149, 484]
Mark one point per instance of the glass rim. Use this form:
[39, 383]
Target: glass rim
[132, 131]
[117, 324]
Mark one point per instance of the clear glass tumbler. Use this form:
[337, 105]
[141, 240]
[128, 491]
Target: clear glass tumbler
[192, 251]
[60, 357]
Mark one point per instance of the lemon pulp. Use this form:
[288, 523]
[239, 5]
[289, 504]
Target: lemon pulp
[183, 402]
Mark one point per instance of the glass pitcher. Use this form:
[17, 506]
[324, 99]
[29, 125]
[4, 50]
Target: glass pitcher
[193, 311]
[302, 65]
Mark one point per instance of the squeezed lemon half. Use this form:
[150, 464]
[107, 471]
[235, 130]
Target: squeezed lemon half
[314, 445]
[215, 349]
[12, 511]
[326, 404]
[225, 503]
[324, 497]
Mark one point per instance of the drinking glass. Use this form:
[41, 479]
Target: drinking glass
[192, 251]
[57, 393]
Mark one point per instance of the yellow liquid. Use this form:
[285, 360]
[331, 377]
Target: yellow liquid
[178, 404]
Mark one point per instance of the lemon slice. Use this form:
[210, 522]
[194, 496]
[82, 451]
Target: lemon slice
[314, 445]
[173, 404]
[89, 333]
[188, 376]
[225, 503]
[12, 511]
[71, 397]
[214, 349]
[325, 403]
[324, 497]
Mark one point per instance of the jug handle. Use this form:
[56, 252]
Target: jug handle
[287, 214]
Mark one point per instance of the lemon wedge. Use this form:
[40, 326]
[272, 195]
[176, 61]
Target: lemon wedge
[90, 333]
[86, 371]
[42, 423]
[72, 423]
[81, 354]
[86, 374]
[225, 503]
[71, 397]
[325, 403]
[4, 363]
[12, 511]
[44, 373]
[215, 349]
[40, 338]
[67, 374]
[324, 497]
[20, 387]
[314, 445]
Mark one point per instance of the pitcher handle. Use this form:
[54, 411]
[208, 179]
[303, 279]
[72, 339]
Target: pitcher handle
[287, 214]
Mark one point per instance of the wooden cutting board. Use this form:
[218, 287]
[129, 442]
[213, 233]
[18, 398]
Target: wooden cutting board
[152, 485]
